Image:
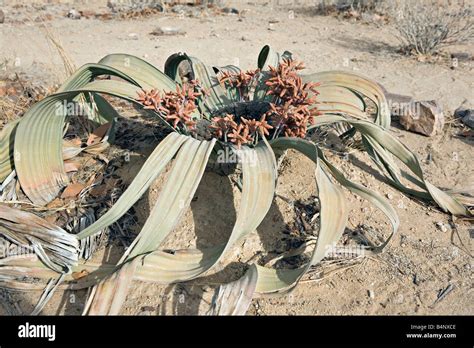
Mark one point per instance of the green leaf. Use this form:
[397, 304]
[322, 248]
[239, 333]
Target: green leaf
[381, 144]
[234, 298]
[266, 59]
[38, 140]
[360, 85]
[150, 170]
[145, 74]
[259, 176]
[172, 203]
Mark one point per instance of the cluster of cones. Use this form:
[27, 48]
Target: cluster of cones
[291, 108]
[178, 108]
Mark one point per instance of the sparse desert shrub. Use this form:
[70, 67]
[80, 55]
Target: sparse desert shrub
[424, 27]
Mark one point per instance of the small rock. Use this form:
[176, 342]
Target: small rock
[2, 17]
[389, 196]
[244, 38]
[466, 116]
[441, 226]
[133, 36]
[273, 20]
[74, 14]
[424, 117]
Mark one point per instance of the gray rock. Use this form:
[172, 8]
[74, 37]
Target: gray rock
[466, 116]
[2, 17]
[424, 117]
[121, 6]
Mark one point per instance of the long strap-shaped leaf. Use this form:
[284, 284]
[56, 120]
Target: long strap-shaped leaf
[38, 143]
[175, 197]
[382, 143]
[234, 298]
[207, 78]
[259, 176]
[150, 170]
[7, 137]
[333, 219]
[144, 73]
[336, 99]
[183, 265]
[334, 214]
[172, 203]
[358, 84]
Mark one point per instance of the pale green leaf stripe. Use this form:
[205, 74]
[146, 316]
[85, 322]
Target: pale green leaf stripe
[7, 138]
[88, 72]
[38, 140]
[188, 263]
[234, 298]
[358, 84]
[172, 203]
[384, 161]
[334, 215]
[175, 197]
[144, 73]
[108, 296]
[38, 151]
[209, 81]
[150, 170]
[259, 177]
[337, 95]
[372, 196]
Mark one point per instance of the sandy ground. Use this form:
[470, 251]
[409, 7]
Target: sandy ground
[420, 262]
